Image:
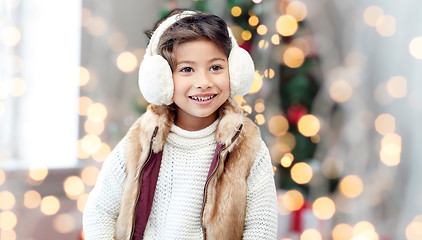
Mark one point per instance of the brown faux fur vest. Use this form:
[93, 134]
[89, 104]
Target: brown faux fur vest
[225, 195]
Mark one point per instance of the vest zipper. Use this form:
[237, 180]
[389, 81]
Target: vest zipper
[212, 174]
[140, 181]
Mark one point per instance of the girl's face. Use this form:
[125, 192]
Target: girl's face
[201, 83]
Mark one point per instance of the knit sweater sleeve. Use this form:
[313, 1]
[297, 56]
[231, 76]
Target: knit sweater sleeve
[103, 205]
[261, 210]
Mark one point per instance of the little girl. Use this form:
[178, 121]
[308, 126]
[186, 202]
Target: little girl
[193, 166]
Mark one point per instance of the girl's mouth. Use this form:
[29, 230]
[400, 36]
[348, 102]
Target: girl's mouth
[202, 99]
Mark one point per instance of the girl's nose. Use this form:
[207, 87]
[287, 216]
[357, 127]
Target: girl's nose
[204, 81]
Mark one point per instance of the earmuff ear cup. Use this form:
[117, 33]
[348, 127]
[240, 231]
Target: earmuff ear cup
[156, 80]
[241, 70]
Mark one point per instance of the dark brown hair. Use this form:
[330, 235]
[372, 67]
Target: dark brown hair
[190, 28]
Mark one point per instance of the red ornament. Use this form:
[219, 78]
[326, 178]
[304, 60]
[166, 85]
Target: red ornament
[295, 112]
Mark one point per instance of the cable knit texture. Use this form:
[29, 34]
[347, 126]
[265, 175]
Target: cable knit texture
[176, 209]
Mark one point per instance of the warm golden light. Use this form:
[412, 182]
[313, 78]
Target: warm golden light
[18, 87]
[127, 62]
[415, 47]
[84, 104]
[84, 76]
[397, 87]
[97, 112]
[323, 208]
[414, 230]
[311, 234]
[293, 200]
[73, 187]
[89, 175]
[246, 35]
[361, 227]
[340, 91]
[287, 160]
[95, 128]
[282, 210]
[64, 223]
[257, 83]
[38, 173]
[297, 9]
[7, 200]
[262, 30]
[301, 173]
[31, 199]
[8, 234]
[236, 11]
[286, 142]
[81, 152]
[293, 57]
[97, 26]
[391, 138]
[263, 44]
[91, 144]
[286, 25]
[342, 231]
[260, 119]
[50, 205]
[269, 73]
[386, 25]
[82, 199]
[372, 14]
[390, 154]
[308, 125]
[275, 39]
[259, 107]
[278, 125]
[253, 20]
[8, 220]
[351, 186]
[2, 177]
[256, 1]
[385, 123]
[247, 109]
[102, 153]
[11, 36]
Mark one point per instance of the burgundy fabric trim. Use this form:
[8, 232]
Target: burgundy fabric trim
[148, 184]
[215, 159]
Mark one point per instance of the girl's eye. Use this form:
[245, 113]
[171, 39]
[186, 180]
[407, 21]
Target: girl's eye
[187, 70]
[216, 68]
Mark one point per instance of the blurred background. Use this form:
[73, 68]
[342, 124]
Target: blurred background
[337, 95]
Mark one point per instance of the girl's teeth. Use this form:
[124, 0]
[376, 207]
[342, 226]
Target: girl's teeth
[201, 99]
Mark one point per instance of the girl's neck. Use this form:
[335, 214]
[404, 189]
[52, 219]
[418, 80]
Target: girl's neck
[194, 123]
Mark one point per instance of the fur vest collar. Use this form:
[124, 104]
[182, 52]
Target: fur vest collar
[224, 205]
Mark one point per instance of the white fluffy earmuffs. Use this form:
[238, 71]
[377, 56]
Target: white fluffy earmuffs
[156, 78]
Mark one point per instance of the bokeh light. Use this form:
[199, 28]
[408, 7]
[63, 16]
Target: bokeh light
[323, 208]
[8, 220]
[64, 223]
[385, 123]
[372, 14]
[2, 177]
[351, 186]
[262, 29]
[96, 26]
[415, 47]
[18, 87]
[50, 205]
[308, 125]
[293, 200]
[278, 125]
[127, 62]
[236, 11]
[84, 103]
[95, 128]
[287, 160]
[397, 87]
[97, 112]
[311, 234]
[301, 173]
[11, 36]
[386, 25]
[297, 9]
[102, 153]
[414, 229]
[340, 91]
[31, 199]
[7, 234]
[84, 76]
[7, 200]
[91, 143]
[286, 25]
[257, 83]
[293, 57]
[81, 202]
[253, 20]
[259, 106]
[246, 35]
[38, 173]
[342, 231]
[260, 119]
[275, 39]
[89, 175]
[73, 187]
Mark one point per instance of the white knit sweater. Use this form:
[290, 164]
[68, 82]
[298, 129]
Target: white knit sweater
[177, 203]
